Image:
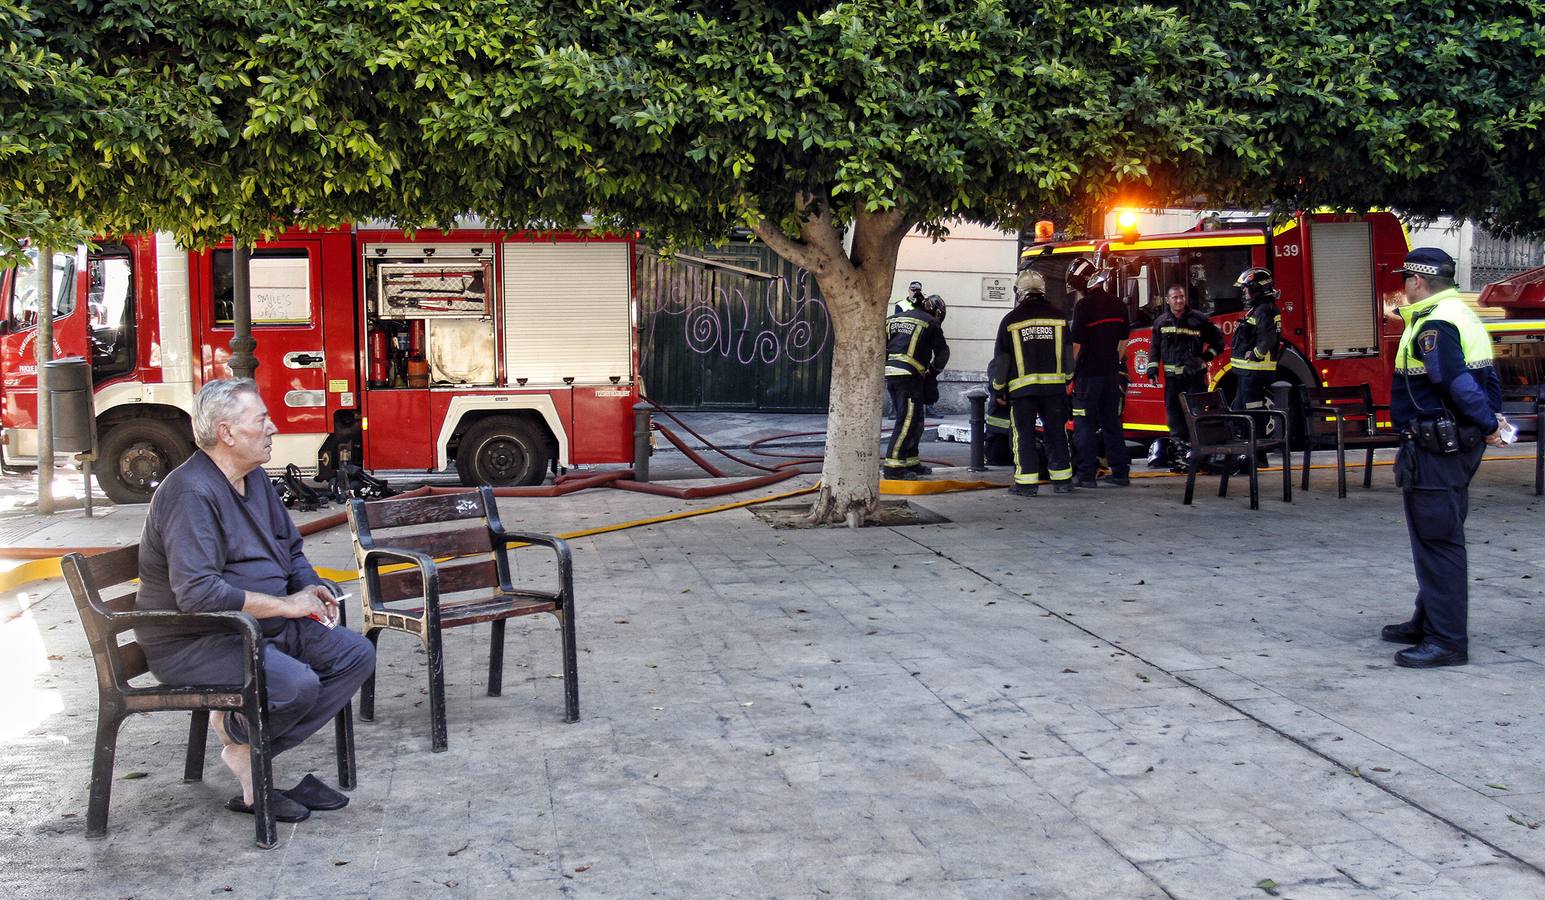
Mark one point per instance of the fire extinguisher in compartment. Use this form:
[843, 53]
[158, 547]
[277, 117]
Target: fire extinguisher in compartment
[418, 367]
[378, 374]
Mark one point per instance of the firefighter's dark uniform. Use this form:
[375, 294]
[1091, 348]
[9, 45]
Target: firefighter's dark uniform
[1100, 324]
[997, 447]
[1254, 350]
[1037, 353]
[1181, 347]
[914, 347]
[1442, 367]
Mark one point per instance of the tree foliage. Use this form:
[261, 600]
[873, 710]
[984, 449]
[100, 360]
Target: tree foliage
[805, 121]
[207, 117]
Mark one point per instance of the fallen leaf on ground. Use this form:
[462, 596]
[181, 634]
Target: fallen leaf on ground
[1500, 787]
[1267, 885]
[130, 776]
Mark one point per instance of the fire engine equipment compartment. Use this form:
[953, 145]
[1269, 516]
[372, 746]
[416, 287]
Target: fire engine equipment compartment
[430, 311]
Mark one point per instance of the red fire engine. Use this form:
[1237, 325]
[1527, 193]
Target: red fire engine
[499, 353]
[1335, 273]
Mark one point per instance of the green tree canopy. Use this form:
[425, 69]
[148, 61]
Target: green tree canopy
[805, 121]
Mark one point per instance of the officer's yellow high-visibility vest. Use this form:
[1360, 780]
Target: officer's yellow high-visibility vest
[1444, 306]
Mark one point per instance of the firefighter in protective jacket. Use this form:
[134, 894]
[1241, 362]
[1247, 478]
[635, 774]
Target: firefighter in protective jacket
[1184, 341]
[1036, 354]
[1257, 339]
[915, 350]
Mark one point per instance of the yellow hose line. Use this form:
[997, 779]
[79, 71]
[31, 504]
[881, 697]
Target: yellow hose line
[350, 574]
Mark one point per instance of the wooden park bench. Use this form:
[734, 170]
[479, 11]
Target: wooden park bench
[104, 589]
[471, 584]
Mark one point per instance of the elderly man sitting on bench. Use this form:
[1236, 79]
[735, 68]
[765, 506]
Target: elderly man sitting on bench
[218, 538]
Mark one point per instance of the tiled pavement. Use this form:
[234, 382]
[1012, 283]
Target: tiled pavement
[1105, 695]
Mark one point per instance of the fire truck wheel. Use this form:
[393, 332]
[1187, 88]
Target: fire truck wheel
[136, 455]
[502, 452]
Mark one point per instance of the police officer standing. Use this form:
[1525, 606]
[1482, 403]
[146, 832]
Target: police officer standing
[912, 300]
[1445, 401]
[1100, 328]
[915, 350]
[1033, 361]
[1184, 341]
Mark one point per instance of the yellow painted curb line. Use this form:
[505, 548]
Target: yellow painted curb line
[896, 486]
[32, 570]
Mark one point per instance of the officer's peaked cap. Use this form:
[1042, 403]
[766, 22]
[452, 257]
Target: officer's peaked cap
[1428, 261]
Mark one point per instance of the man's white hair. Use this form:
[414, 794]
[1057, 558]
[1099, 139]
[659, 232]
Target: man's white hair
[217, 402]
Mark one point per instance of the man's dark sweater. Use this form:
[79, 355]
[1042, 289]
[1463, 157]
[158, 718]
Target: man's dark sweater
[205, 545]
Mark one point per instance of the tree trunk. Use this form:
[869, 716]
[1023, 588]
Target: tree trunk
[856, 285]
[850, 475]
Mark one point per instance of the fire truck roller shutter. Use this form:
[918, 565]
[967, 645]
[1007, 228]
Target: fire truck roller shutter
[503, 451]
[138, 452]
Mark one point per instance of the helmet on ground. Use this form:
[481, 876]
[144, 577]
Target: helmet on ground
[1258, 285]
[1030, 281]
[933, 305]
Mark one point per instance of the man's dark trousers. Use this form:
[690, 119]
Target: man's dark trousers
[1097, 422]
[1437, 499]
[311, 672]
[1053, 412]
[907, 399]
[1174, 386]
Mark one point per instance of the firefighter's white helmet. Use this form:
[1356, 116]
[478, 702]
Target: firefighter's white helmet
[1030, 282]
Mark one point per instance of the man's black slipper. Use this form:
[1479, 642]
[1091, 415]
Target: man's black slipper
[313, 793]
[285, 809]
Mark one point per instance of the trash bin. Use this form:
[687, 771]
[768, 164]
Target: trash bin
[69, 387]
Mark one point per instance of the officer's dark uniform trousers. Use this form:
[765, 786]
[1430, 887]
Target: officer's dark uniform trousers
[1436, 491]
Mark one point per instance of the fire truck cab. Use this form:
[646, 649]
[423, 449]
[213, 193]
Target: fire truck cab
[499, 354]
[1336, 274]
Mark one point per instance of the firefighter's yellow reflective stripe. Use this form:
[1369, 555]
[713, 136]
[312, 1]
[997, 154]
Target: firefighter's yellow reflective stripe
[1038, 378]
[1250, 320]
[1174, 370]
[1060, 474]
[902, 424]
[998, 421]
[898, 370]
[1176, 329]
[1078, 410]
[1033, 477]
[1255, 365]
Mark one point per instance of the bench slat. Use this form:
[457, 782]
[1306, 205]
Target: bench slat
[460, 542]
[453, 577]
[423, 510]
